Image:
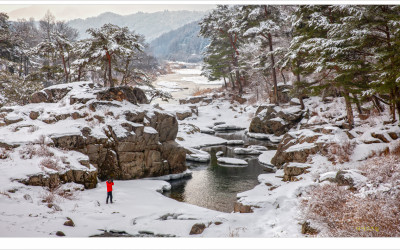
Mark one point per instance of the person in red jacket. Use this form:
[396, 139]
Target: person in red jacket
[109, 183]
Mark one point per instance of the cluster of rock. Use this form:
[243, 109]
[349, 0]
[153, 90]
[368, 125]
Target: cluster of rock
[272, 119]
[122, 139]
[88, 178]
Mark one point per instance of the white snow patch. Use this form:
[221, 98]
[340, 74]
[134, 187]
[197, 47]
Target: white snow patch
[231, 161]
[265, 157]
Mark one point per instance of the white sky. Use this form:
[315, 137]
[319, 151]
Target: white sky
[72, 11]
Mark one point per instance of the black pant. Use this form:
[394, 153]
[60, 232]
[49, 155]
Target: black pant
[109, 195]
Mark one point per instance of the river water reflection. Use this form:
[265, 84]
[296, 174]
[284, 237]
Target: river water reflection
[214, 186]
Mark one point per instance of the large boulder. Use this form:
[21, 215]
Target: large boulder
[119, 93]
[296, 147]
[240, 208]
[140, 96]
[165, 124]
[88, 178]
[272, 119]
[197, 228]
[51, 95]
[293, 169]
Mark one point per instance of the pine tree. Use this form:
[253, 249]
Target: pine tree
[222, 23]
[109, 42]
[328, 43]
[381, 31]
[265, 22]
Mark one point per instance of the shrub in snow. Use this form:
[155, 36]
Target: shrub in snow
[48, 197]
[371, 210]
[4, 154]
[30, 150]
[50, 164]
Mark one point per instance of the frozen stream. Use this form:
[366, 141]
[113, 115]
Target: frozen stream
[183, 83]
[211, 185]
[214, 186]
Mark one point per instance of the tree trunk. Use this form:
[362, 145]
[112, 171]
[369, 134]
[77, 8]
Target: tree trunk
[238, 81]
[224, 82]
[349, 110]
[377, 104]
[300, 95]
[392, 105]
[231, 77]
[283, 77]
[109, 70]
[359, 109]
[273, 69]
[105, 74]
[65, 69]
[397, 92]
[126, 72]
[79, 73]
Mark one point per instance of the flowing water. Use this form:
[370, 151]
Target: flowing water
[214, 186]
[211, 185]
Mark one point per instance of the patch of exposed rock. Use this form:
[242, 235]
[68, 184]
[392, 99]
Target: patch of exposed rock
[197, 228]
[292, 170]
[272, 119]
[121, 139]
[240, 208]
[85, 177]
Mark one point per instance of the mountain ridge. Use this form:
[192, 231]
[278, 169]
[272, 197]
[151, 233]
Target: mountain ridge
[151, 25]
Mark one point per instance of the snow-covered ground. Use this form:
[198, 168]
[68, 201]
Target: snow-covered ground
[139, 205]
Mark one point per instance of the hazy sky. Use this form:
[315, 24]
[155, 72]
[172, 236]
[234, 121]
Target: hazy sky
[72, 11]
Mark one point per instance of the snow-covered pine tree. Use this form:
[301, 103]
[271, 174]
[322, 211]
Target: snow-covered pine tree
[266, 23]
[380, 28]
[217, 58]
[110, 42]
[326, 43]
[222, 23]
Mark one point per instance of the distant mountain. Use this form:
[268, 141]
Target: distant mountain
[151, 25]
[182, 44]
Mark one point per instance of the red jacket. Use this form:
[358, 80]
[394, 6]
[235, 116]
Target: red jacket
[109, 186]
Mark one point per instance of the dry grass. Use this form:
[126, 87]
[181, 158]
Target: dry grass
[48, 197]
[50, 164]
[235, 232]
[4, 154]
[5, 194]
[28, 151]
[33, 129]
[198, 92]
[372, 210]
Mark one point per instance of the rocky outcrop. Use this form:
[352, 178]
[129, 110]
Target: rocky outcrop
[69, 222]
[140, 96]
[195, 99]
[292, 170]
[121, 139]
[120, 93]
[51, 95]
[60, 233]
[344, 177]
[86, 178]
[197, 228]
[284, 92]
[182, 115]
[240, 208]
[137, 153]
[165, 124]
[272, 119]
[295, 148]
